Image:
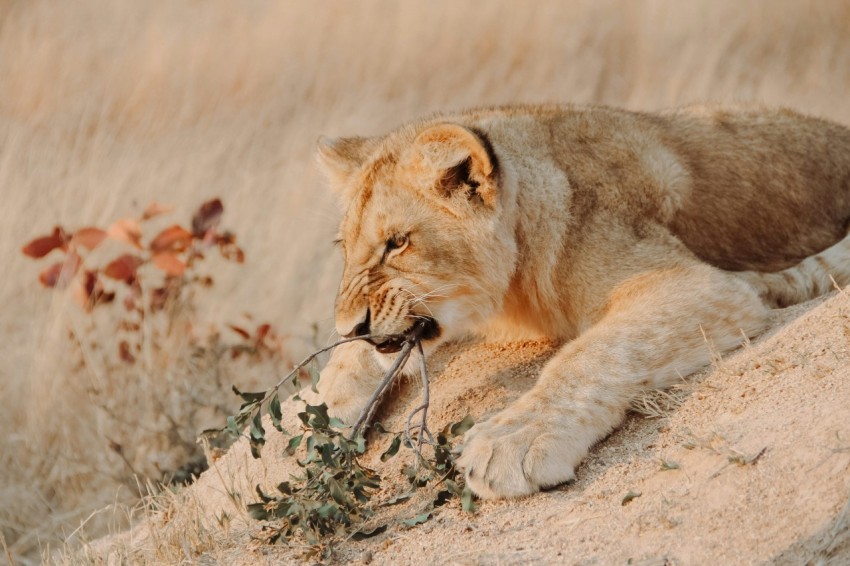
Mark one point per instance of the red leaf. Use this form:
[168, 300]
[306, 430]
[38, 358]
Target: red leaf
[240, 331]
[126, 230]
[90, 292]
[169, 263]
[155, 209]
[89, 238]
[159, 297]
[124, 352]
[173, 239]
[232, 252]
[207, 217]
[124, 268]
[40, 247]
[129, 326]
[50, 276]
[60, 274]
[262, 332]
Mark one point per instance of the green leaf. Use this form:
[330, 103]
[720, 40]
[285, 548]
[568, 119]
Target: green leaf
[258, 511]
[320, 419]
[248, 396]
[263, 497]
[364, 534]
[257, 436]
[629, 496]
[392, 450]
[453, 488]
[327, 510]
[379, 427]
[669, 465]
[314, 377]
[461, 427]
[336, 423]
[257, 430]
[399, 498]
[417, 520]
[293, 444]
[257, 447]
[467, 500]
[275, 412]
[337, 492]
[328, 455]
[231, 426]
[284, 488]
[442, 497]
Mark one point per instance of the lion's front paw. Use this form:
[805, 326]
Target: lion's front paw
[517, 453]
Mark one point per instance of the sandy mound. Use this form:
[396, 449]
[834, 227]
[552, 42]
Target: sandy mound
[752, 467]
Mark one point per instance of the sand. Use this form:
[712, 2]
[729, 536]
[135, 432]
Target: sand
[759, 449]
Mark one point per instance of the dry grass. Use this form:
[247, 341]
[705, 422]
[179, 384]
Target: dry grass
[105, 106]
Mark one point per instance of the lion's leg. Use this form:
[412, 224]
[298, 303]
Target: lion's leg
[658, 326]
[347, 381]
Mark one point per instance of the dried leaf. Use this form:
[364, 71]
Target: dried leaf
[207, 218]
[89, 238]
[126, 230]
[169, 263]
[173, 239]
[123, 268]
[155, 209]
[42, 246]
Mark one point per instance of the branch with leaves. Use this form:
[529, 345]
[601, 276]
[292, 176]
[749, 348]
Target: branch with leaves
[331, 496]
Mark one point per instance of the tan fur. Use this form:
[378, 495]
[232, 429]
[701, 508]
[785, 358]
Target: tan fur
[608, 229]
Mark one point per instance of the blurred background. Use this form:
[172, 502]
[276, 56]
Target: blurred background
[106, 107]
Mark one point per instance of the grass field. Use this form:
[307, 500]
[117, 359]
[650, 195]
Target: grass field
[107, 106]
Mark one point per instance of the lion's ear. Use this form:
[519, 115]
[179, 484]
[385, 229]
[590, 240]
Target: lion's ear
[339, 158]
[456, 161]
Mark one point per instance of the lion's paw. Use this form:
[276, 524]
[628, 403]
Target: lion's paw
[516, 453]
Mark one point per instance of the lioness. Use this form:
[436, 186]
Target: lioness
[642, 240]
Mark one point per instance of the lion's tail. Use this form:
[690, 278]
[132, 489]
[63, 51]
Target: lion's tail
[812, 277]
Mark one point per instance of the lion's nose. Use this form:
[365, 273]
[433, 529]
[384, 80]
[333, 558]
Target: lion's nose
[361, 328]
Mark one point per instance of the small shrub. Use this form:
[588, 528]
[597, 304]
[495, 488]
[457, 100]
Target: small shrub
[332, 495]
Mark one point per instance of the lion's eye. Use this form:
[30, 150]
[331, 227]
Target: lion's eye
[396, 243]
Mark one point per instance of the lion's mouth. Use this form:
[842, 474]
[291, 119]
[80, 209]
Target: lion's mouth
[424, 329]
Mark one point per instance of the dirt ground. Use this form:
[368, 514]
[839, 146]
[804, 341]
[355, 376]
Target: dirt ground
[759, 449]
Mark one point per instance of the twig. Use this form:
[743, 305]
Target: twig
[310, 358]
[423, 407]
[369, 409]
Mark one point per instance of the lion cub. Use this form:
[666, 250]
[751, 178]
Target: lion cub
[641, 240]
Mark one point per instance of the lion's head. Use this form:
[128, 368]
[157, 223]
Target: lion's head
[423, 234]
